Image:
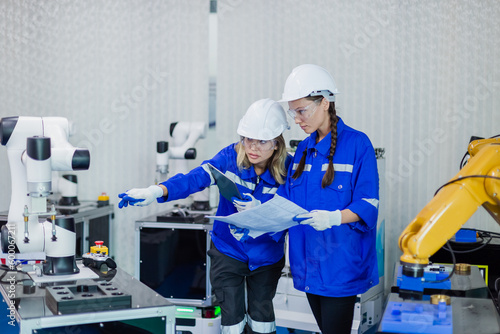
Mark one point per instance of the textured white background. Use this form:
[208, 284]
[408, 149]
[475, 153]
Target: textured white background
[122, 71]
[419, 77]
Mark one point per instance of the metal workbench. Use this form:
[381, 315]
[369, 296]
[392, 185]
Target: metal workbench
[147, 311]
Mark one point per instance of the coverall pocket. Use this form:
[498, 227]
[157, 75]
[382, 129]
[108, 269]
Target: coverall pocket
[338, 192]
[298, 195]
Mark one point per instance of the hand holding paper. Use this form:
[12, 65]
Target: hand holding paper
[246, 203]
[274, 215]
[320, 220]
[240, 234]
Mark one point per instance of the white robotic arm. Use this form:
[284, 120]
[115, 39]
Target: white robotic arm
[36, 146]
[184, 136]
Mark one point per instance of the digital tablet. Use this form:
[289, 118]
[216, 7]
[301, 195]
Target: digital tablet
[227, 187]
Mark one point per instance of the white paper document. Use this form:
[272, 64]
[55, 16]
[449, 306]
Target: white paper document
[273, 216]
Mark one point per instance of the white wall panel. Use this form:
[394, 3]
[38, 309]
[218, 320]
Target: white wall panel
[419, 77]
[122, 71]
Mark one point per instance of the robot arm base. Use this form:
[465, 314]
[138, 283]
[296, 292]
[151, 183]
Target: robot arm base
[413, 269]
[60, 266]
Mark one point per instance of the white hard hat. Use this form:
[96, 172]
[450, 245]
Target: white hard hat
[308, 80]
[264, 120]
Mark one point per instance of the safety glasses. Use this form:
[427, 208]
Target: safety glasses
[259, 145]
[304, 113]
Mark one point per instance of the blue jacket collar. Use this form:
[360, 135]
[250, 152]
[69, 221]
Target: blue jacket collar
[323, 146]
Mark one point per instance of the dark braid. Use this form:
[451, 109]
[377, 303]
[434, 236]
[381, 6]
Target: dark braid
[300, 167]
[328, 177]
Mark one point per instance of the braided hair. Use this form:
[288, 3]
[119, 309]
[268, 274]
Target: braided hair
[329, 175]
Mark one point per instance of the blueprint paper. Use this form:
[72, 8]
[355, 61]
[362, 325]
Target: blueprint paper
[273, 216]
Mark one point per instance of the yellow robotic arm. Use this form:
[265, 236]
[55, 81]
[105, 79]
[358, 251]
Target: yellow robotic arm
[476, 184]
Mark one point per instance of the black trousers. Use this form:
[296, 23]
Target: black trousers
[228, 277]
[334, 315]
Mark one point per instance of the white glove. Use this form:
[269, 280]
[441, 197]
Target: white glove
[240, 234]
[140, 196]
[246, 203]
[320, 219]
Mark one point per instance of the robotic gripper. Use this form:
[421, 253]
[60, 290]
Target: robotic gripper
[37, 146]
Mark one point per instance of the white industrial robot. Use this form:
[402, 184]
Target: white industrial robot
[37, 146]
[184, 136]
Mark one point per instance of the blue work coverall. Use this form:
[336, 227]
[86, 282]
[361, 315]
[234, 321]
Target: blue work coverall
[259, 259]
[339, 261]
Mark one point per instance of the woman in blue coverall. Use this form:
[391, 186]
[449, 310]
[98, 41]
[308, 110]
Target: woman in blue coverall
[257, 164]
[333, 176]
